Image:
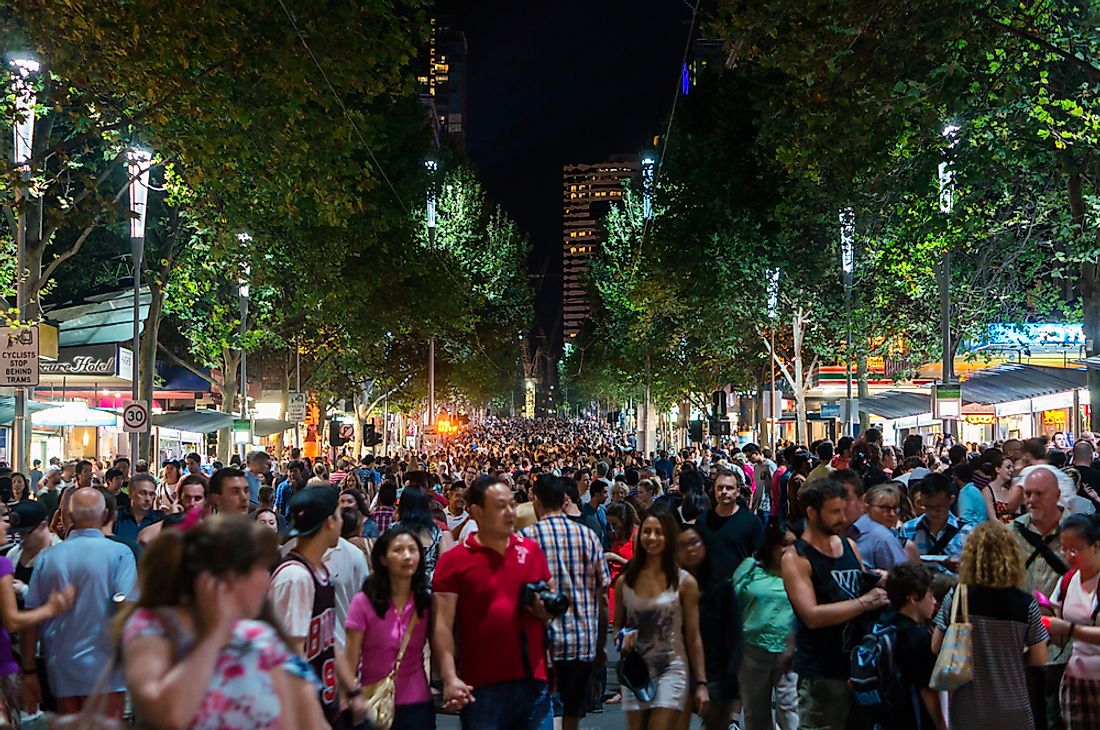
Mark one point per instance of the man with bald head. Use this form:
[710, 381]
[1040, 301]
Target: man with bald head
[77, 645]
[1038, 533]
[1088, 478]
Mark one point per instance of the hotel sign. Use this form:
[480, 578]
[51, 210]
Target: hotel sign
[107, 361]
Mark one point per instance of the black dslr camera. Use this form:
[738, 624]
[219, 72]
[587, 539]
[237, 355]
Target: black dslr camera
[556, 604]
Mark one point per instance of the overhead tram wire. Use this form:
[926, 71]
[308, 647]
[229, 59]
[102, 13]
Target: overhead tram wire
[668, 127]
[343, 107]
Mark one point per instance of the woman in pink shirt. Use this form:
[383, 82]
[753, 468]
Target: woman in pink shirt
[395, 599]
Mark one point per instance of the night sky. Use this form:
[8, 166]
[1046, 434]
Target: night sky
[550, 83]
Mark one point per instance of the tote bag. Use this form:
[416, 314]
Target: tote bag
[955, 664]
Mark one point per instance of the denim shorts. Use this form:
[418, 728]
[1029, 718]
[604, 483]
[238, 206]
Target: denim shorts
[517, 705]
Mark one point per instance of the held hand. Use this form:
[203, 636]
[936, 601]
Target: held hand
[19, 586]
[702, 699]
[358, 709]
[629, 640]
[456, 694]
[873, 599]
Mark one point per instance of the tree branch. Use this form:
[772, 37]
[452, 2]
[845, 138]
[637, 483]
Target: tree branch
[1092, 71]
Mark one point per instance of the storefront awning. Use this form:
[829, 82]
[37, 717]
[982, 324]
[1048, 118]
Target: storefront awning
[270, 426]
[195, 421]
[7, 408]
[893, 404]
[1013, 381]
[101, 319]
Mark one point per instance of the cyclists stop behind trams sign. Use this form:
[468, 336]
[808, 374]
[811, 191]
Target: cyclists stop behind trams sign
[135, 416]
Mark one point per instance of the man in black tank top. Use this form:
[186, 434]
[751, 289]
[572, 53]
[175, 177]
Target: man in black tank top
[824, 576]
[302, 592]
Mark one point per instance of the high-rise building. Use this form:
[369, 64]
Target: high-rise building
[443, 79]
[588, 190]
[704, 56]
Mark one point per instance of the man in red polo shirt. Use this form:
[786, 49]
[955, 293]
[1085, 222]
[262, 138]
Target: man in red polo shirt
[502, 643]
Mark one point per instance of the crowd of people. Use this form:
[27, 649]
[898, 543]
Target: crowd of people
[532, 570]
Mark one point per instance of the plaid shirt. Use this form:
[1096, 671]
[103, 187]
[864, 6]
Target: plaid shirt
[917, 531]
[383, 518]
[577, 565]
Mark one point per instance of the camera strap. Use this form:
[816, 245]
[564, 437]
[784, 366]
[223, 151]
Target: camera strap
[525, 653]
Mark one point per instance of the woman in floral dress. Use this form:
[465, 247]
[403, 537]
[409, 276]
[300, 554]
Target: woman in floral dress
[194, 653]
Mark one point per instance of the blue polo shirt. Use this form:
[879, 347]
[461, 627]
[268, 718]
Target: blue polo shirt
[878, 547]
[77, 645]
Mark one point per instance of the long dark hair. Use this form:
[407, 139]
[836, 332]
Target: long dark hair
[414, 510]
[775, 534]
[377, 587]
[670, 560]
[624, 512]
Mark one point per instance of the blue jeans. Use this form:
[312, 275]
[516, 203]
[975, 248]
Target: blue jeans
[518, 705]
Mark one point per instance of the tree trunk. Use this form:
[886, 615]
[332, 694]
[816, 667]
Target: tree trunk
[229, 391]
[799, 384]
[760, 426]
[280, 438]
[1089, 284]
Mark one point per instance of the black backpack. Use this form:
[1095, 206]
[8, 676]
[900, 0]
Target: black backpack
[874, 674]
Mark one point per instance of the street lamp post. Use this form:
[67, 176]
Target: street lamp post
[648, 429]
[243, 292]
[137, 163]
[772, 278]
[947, 205]
[24, 69]
[431, 166]
[847, 264]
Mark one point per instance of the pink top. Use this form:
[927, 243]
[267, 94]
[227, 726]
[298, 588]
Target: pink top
[381, 641]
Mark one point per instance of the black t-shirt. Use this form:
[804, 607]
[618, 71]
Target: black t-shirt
[1090, 479]
[729, 540]
[914, 659]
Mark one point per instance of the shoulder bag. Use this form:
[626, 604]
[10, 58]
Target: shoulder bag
[381, 696]
[955, 664]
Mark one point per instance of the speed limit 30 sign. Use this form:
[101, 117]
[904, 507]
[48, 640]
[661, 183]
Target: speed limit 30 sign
[135, 416]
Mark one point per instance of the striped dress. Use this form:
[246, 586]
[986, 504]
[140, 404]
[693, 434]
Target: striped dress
[1004, 622]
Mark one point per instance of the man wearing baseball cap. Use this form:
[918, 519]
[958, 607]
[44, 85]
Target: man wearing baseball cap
[28, 519]
[302, 591]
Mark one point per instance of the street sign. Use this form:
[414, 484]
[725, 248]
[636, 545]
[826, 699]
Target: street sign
[135, 416]
[947, 401]
[18, 357]
[296, 404]
[830, 410]
[242, 431]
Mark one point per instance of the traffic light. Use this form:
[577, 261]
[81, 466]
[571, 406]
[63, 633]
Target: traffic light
[371, 437]
[695, 431]
[337, 435]
[718, 401]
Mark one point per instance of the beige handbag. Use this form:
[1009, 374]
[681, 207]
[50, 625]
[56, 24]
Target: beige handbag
[381, 696]
[955, 664]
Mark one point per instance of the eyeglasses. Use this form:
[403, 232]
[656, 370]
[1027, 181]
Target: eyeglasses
[693, 544]
[886, 507]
